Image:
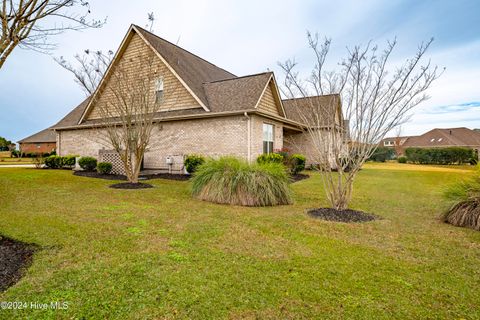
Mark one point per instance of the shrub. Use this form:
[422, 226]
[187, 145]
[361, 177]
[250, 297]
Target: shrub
[53, 162]
[192, 162]
[68, 161]
[233, 181]
[402, 159]
[448, 155]
[104, 167]
[270, 158]
[382, 154]
[87, 163]
[465, 211]
[297, 163]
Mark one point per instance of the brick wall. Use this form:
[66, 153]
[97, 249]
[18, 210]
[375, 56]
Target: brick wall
[41, 147]
[209, 137]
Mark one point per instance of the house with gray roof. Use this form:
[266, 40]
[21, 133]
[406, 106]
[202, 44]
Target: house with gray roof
[44, 141]
[213, 113]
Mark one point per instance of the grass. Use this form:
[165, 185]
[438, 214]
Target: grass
[233, 181]
[8, 160]
[158, 253]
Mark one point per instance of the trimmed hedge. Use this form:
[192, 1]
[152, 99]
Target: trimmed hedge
[104, 167]
[295, 163]
[87, 163]
[402, 159]
[270, 158]
[192, 162]
[450, 155]
[233, 181]
[382, 154]
[53, 162]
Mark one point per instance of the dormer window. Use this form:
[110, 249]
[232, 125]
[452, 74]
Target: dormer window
[159, 90]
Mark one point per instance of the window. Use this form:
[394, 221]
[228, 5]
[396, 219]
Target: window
[440, 140]
[159, 90]
[432, 140]
[388, 143]
[267, 138]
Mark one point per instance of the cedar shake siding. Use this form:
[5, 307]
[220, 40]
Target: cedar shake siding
[175, 96]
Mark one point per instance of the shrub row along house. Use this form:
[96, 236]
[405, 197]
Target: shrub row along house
[203, 110]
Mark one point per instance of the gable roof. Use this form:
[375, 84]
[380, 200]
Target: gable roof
[73, 117]
[241, 93]
[44, 136]
[192, 69]
[445, 138]
[291, 105]
[217, 89]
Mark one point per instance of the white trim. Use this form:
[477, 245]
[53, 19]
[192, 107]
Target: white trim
[272, 78]
[172, 70]
[263, 92]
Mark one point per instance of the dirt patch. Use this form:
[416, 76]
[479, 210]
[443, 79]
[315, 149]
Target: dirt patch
[299, 177]
[15, 257]
[347, 215]
[94, 174]
[129, 185]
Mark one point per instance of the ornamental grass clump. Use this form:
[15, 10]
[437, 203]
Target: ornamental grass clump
[233, 181]
[465, 211]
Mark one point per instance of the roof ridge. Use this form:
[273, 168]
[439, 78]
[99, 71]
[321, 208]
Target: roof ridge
[177, 46]
[236, 78]
[322, 95]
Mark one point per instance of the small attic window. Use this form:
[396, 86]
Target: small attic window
[432, 140]
[439, 140]
[159, 90]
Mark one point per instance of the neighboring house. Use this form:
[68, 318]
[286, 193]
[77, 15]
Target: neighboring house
[205, 110]
[393, 142]
[44, 141]
[441, 138]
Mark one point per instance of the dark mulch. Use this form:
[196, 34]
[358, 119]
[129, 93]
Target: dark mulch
[347, 215]
[15, 257]
[129, 185]
[169, 176]
[298, 177]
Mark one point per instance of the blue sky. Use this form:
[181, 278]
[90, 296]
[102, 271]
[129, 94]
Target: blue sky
[251, 36]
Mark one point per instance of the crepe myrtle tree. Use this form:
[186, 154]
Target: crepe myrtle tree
[129, 112]
[375, 97]
[30, 23]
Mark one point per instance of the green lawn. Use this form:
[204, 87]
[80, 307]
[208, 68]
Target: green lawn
[156, 253]
[8, 160]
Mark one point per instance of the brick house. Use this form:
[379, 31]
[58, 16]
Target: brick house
[44, 141]
[213, 113]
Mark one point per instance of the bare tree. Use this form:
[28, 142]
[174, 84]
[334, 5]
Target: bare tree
[88, 68]
[24, 23]
[375, 101]
[398, 142]
[129, 106]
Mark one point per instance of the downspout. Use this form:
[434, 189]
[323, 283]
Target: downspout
[249, 130]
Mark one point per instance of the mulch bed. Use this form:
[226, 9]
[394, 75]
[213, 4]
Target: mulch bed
[15, 257]
[347, 215]
[299, 177]
[169, 176]
[129, 185]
